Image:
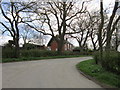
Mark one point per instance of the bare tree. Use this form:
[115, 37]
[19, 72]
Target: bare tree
[56, 17]
[82, 26]
[100, 30]
[38, 38]
[31, 36]
[112, 24]
[12, 11]
[115, 40]
[95, 21]
[26, 33]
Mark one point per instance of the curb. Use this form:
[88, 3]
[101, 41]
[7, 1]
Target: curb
[105, 86]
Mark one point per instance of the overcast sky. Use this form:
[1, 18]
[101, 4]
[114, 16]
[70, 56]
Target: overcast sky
[94, 5]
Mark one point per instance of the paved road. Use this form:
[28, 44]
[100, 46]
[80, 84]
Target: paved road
[56, 73]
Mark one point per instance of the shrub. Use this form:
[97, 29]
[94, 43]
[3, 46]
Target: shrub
[37, 53]
[96, 57]
[8, 53]
[110, 62]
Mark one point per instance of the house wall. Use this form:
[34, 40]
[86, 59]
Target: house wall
[54, 46]
[66, 47]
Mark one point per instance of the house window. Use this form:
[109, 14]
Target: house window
[56, 49]
[65, 47]
[49, 48]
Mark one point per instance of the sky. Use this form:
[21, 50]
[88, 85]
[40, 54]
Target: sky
[93, 6]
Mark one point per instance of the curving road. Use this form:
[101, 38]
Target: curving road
[55, 73]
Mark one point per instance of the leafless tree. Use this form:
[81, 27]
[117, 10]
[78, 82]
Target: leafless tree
[96, 22]
[82, 26]
[12, 13]
[101, 25]
[115, 40]
[112, 24]
[56, 17]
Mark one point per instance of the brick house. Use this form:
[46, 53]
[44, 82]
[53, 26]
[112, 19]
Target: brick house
[53, 46]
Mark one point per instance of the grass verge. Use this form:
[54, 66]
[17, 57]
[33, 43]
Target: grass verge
[5, 60]
[96, 71]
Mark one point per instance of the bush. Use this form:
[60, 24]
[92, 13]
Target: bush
[8, 53]
[83, 51]
[96, 57]
[37, 53]
[76, 53]
[110, 62]
[45, 53]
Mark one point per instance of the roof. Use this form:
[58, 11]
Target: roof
[53, 39]
[34, 44]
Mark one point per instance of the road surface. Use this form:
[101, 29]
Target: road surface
[54, 73]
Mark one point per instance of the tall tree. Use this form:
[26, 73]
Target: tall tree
[115, 40]
[100, 29]
[12, 13]
[82, 26]
[94, 22]
[57, 17]
[112, 25]
[26, 33]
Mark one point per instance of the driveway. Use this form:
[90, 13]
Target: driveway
[54, 73]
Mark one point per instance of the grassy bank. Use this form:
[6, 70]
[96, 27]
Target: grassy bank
[5, 60]
[90, 68]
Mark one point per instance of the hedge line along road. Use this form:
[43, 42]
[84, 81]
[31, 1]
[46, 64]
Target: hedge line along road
[52, 73]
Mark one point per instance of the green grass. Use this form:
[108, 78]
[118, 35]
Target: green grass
[90, 68]
[5, 60]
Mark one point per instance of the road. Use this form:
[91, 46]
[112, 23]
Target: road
[54, 73]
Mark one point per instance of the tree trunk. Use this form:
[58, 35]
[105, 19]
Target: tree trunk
[81, 47]
[60, 46]
[61, 36]
[108, 43]
[116, 41]
[94, 47]
[109, 32]
[17, 49]
[94, 43]
[100, 31]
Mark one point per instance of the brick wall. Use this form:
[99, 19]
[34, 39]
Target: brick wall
[66, 47]
[54, 46]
